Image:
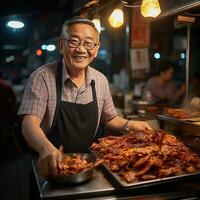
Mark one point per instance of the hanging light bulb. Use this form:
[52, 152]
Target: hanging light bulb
[116, 19]
[150, 8]
[97, 22]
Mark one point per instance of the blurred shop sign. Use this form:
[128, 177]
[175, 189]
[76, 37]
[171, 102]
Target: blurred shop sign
[179, 42]
[139, 58]
[139, 62]
[140, 30]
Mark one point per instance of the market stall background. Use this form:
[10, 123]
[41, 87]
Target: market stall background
[21, 51]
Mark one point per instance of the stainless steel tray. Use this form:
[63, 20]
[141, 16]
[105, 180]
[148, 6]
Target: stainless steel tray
[119, 181]
[139, 184]
[174, 120]
[178, 126]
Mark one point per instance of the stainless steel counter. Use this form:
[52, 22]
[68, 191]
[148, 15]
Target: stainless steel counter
[97, 186]
[100, 188]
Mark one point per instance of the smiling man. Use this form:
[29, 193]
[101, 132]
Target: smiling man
[64, 101]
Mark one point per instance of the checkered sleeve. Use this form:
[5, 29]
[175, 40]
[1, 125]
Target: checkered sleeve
[35, 96]
[108, 110]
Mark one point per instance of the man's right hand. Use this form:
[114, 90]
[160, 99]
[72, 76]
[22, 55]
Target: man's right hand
[49, 161]
[49, 156]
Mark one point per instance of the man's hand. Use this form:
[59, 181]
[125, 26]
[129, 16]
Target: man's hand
[122, 124]
[49, 161]
[138, 125]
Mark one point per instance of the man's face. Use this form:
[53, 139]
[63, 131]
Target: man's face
[77, 46]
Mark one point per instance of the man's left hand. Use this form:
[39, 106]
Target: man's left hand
[138, 125]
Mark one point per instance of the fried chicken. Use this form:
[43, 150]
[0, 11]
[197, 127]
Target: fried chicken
[146, 155]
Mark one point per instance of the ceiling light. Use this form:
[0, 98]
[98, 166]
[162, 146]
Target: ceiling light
[116, 19]
[51, 47]
[44, 47]
[15, 24]
[156, 55]
[150, 8]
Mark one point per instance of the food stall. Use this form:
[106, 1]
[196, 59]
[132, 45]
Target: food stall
[159, 167]
[150, 164]
[106, 184]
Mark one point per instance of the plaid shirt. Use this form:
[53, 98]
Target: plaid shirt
[39, 97]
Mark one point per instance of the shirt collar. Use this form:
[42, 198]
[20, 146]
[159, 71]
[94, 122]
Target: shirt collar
[66, 76]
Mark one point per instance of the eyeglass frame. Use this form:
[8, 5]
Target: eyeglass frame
[80, 41]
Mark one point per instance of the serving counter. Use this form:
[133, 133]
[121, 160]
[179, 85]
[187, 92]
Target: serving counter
[102, 186]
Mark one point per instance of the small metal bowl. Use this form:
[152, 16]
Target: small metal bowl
[81, 177]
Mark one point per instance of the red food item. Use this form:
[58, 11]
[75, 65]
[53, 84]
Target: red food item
[146, 155]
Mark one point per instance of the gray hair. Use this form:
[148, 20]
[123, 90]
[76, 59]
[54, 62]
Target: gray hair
[77, 20]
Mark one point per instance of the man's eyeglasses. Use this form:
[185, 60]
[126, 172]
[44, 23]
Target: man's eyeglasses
[74, 43]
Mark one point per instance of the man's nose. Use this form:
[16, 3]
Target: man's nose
[81, 47]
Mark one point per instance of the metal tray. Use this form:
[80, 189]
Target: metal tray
[138, 184]
[174, 120]
[119, 181]
[178, 126]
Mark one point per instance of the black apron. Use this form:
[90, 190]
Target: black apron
[74, 124]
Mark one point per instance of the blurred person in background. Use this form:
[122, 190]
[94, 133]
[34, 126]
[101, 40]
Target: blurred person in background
[194, 87]
[161, 88]
[64, 101]
[7, 102]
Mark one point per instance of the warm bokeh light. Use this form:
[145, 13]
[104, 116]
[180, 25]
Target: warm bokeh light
[97, 24]
[38, 52]
[150, 8]
[116, 19]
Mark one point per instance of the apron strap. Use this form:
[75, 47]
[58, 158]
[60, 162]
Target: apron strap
[97, 135]
[58, 95]
[93, 91]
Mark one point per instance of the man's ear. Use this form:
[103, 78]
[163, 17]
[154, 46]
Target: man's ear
[60, 45]
[97, 50]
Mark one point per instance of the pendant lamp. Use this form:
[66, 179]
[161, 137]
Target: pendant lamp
[116, 19]
[150, 8]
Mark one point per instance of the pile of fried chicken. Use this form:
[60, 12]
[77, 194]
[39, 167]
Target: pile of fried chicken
[146, 155]
[180, 113]
[73, 164]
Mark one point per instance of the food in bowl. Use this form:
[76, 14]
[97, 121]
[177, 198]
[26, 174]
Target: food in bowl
[74, 163]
